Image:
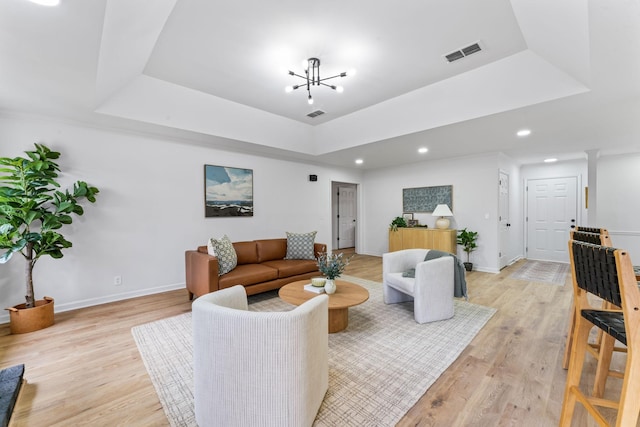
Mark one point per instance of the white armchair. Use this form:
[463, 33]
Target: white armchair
[431, 290]
[266, 368]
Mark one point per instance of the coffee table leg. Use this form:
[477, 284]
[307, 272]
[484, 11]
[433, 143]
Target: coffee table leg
[338, 319]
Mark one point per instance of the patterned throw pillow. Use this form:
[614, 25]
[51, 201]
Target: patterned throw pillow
[210, 249]
[227, 257]
[300, 246]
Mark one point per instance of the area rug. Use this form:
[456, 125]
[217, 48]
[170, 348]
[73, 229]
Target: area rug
[542, 271]
[378, 367]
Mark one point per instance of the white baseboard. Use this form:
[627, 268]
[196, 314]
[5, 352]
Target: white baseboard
[514, 260]
[75, 305]
[486, 270]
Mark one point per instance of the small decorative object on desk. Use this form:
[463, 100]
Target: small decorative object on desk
[318, 281]
[330, 286]
[314, 289]
[332, 266]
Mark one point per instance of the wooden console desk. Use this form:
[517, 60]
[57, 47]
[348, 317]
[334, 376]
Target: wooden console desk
[425, 238]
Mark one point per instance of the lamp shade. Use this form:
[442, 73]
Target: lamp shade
[442, 210]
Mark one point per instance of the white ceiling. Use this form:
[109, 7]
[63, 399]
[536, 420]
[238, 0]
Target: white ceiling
[568, 70]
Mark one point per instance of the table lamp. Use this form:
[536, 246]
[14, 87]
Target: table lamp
[442, 211]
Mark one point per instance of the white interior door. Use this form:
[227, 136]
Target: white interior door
[346, 217]
[503, 218]
[551, 211]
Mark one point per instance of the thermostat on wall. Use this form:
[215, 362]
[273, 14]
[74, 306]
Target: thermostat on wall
[313, 178]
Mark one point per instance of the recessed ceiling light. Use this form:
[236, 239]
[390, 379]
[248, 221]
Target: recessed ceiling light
[422, 150]
[359, 161]
[551, 160]
[524, 132]
[46, 2]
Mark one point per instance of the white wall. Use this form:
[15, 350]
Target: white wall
[618, 207]
[151, 209]
[475, 202]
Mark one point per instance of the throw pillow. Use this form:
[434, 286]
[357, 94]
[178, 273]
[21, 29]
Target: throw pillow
[227, 257]
[300, 246]
[210, 249]
[410, 273]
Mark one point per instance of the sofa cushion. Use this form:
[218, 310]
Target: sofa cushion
[247, 252]
[292, 267]
[248, 274]
[224, 250]
[271, 249]
[300, 246]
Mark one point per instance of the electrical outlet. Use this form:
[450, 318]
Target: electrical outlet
[117, 280]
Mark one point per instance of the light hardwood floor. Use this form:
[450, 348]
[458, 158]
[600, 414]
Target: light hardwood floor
[86, 370]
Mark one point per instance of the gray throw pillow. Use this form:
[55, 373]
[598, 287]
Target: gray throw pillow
[409, 273]
[226, 253]
[300, 246]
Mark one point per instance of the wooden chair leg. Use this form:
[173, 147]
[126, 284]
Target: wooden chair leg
[604, 362]
[578, 351]
[190, 295]
[630, 396]
[567, 347]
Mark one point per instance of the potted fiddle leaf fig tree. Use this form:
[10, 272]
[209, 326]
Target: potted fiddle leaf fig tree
[32, 211]
[467, 239]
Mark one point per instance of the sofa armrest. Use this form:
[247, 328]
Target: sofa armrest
[201, 271]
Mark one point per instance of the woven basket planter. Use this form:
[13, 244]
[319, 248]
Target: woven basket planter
[23, 320]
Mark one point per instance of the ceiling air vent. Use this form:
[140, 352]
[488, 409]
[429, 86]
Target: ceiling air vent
[465, 51]
[315, 114]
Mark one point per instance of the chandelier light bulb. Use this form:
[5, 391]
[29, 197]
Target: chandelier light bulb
[339, 89]
[351, 72]
[310, 100]
[288, 89]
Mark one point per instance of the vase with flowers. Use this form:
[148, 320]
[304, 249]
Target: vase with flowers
[331, 266]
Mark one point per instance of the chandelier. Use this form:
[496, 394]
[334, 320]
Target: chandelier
[312, 78]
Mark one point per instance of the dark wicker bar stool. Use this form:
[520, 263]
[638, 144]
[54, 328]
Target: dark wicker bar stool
[594, 348]
[607, 273]
[595, 230]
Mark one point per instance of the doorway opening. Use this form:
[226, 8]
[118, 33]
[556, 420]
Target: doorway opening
[344, 213]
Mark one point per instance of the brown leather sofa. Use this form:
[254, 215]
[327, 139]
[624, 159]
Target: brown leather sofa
[261, 267]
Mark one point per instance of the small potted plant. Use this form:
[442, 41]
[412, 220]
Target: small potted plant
[398, 222]
[467, 239]
[331, 266]
[32, 210]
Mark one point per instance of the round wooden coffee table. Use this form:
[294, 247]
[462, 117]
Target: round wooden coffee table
[347, 295]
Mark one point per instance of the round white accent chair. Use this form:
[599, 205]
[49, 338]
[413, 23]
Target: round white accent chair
[431, 290]
[250, 368]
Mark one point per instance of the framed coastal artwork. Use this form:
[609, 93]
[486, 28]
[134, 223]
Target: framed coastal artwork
[227, 191]
[425, 199]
